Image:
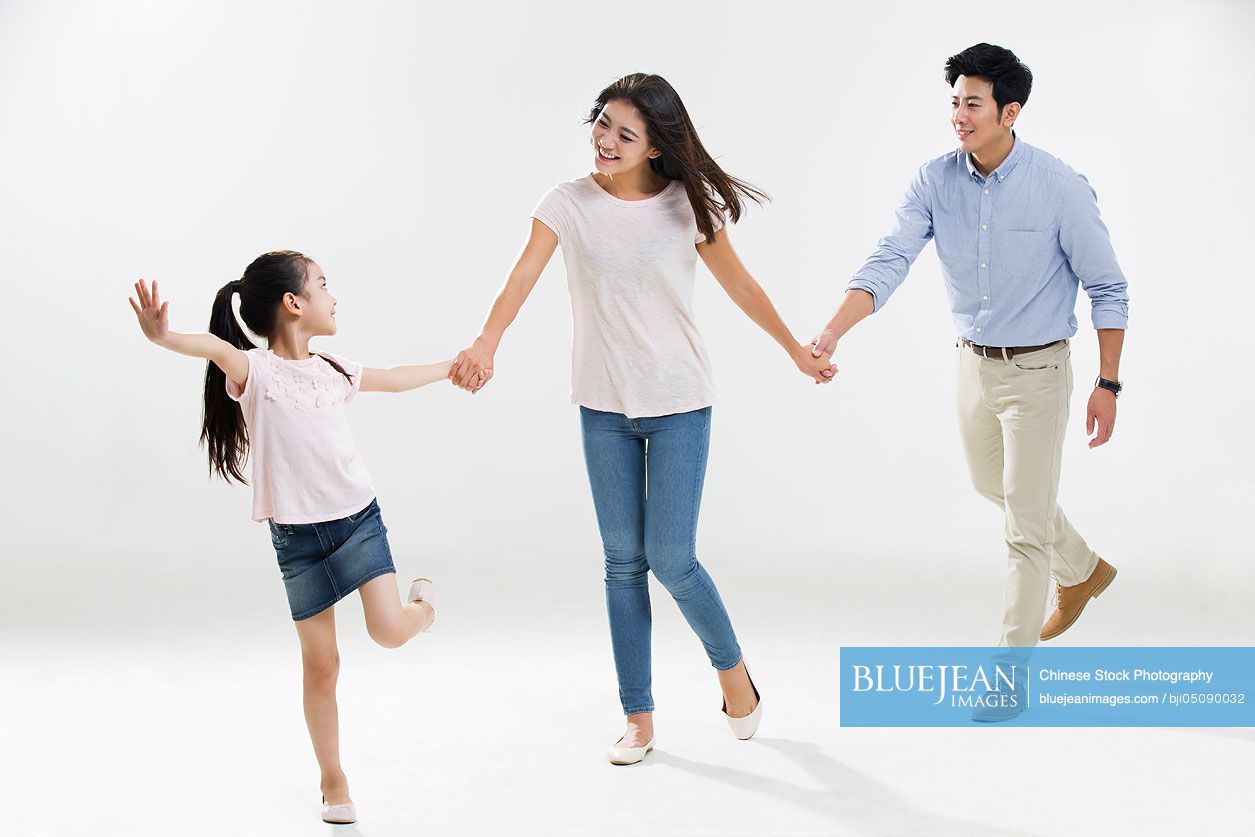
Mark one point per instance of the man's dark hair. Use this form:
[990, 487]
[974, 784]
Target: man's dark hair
[1012, 79]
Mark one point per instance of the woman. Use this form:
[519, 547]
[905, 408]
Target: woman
[630, 234]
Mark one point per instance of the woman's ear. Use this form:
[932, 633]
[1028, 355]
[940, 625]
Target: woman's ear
[291, 304]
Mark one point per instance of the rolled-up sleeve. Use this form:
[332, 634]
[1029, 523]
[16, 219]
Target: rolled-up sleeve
[1086, 243]
[887, 266]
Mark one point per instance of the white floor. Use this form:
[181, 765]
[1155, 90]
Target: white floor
[179, 714]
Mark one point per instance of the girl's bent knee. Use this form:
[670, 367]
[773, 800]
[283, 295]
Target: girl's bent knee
[391, 636]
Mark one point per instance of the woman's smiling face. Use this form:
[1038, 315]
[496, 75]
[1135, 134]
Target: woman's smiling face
[620, 142]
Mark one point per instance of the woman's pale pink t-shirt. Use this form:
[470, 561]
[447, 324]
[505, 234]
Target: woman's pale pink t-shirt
[306, 466]
[630, 268]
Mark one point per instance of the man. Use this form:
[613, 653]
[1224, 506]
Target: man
[1016, 231]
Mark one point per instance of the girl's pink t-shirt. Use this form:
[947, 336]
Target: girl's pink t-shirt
[306, 468]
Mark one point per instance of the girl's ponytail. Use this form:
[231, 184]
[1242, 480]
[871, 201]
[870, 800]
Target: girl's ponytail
[222, 424]
[262, 288]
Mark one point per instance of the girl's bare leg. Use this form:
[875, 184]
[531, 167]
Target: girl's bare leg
[390, 622]
[320, 661]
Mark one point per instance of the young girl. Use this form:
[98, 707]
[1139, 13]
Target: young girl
[631, 233]
[285, 406]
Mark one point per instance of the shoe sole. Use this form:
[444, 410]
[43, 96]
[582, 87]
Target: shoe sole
[1103, 585]
[426, 630]
[629, 763]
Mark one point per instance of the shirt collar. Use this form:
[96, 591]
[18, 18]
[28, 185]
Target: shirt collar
[1000, 173]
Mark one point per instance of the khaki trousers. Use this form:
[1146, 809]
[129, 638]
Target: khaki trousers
[1013, 416]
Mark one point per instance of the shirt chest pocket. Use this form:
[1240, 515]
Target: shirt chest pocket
[1023, 253]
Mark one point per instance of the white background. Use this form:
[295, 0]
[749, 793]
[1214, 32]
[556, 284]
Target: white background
[403, 146]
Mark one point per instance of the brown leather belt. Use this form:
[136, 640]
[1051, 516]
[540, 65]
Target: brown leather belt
[1005, 352]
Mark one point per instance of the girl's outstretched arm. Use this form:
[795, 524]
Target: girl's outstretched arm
[154, 321]
[404, 378]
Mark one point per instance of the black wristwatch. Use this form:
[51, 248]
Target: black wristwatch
[1114, 386]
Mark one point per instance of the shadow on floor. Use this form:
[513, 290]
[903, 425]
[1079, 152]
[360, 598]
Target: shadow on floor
[844, 796]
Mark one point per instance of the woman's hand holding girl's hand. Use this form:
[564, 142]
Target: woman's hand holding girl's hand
[151, 311]
[814, 367]
[472, 368]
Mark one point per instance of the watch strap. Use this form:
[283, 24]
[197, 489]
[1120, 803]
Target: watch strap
[1113, 386]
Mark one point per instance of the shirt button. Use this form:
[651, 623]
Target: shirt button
[984, 226]
[985, 297]
[982, 264]
[978, 329]
[986, 191]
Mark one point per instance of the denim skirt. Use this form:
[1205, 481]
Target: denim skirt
[323, 562]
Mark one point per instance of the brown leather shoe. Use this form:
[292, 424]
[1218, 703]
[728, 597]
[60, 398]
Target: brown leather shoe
[1072, 600]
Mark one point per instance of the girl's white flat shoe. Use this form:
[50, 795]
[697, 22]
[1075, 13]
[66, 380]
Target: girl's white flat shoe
[744, 728]
[629, 755]
[422, 591]
[344, 813]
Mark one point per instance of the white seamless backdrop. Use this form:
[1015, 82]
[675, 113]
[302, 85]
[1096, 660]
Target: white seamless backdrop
[151, 678]
[403, 146]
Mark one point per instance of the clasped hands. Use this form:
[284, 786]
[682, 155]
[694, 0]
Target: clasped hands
[472, 368]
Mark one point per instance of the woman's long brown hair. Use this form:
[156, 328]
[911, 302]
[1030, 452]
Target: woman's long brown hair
[713, 193]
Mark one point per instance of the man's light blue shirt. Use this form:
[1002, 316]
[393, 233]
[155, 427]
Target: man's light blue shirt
[1013, 248]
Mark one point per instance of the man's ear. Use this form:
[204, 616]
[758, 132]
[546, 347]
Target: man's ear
[1009, 114]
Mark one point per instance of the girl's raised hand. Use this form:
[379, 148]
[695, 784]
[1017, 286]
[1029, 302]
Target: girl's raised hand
[151, 311]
